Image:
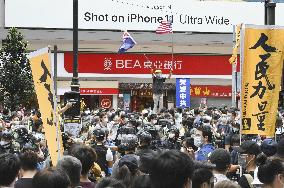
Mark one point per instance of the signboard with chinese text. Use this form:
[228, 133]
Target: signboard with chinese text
[182, 92]
[137, 65]
[210, 91]
[262, 62]
[99, 91]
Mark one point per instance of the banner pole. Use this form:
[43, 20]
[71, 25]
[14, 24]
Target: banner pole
[233, 70]
[55, 103]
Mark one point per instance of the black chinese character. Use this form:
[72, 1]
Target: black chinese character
[257, 89]
[261, 42]
[46, 73]
[260, 118]
[262, 106]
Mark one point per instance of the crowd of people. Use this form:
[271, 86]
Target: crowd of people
[175, 148]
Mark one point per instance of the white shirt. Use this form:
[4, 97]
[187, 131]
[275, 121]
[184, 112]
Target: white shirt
[219, 177]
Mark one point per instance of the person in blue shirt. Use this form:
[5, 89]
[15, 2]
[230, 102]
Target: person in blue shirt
[203, 140]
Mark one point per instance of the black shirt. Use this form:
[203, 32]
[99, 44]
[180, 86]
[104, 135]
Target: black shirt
[158, 85]
[101, 151]
[24, 183]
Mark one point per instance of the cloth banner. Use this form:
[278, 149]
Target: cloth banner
[182, 92]
[43, 81]
[261, 71]
[233, 59]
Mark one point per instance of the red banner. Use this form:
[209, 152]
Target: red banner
[141, 64]
[99, 91]
[210, 91]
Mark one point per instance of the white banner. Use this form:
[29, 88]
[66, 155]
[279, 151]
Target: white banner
[200, 16]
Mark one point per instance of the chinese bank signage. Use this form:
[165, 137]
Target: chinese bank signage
[137, 65]
[187, 15]
[262, 62]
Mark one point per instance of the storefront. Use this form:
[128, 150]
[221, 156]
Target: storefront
[127, 78]
[94, 94]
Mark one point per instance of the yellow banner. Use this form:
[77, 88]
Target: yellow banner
[234, 56]
[262, 61]
[43, 81]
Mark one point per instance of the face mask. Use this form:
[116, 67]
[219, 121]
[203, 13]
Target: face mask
[155, 121]
[159, 75]
[5, 144]
[235, 129]
[182, 150]
[171, 135]
[197, 141]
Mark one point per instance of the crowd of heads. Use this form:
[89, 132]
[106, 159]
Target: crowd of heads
[179, 148]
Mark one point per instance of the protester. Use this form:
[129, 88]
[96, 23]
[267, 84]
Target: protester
[9, 169]
[72, 167]
[87, 157]
[171, 169]
[271, 172]
[51, 178]
[29, 161]
[222, 159]
[168, 149]
[202, 178]
[249, 150]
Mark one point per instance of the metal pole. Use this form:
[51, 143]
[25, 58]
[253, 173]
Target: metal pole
[233, 70]
[75, 81]
[269, 12]
[55, 70]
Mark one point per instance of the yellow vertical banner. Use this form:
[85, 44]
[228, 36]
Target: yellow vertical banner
[261, 70]
[234, 56]
[43, 81]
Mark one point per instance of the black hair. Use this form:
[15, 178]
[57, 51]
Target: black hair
[171, 169]
[142, 181]
[189, 142]
[9, 168]
[179, 110]
[28, 160]
[206, 131]
[235, 139]
[51, 178]
[125, 175]
[201, 176]
[110, 183]
[72, 167]
[273, 167]
[86, 155]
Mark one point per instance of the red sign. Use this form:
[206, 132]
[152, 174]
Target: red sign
[105, 101]
[210, 91]
[141, 64]
[98, 91]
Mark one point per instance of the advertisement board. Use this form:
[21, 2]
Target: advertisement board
[143, 15]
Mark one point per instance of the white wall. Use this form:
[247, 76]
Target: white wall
[2, 14]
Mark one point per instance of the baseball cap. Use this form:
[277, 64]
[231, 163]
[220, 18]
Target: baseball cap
[268, 147]
[221, 158]
[158, 71]
[280, 149]
[130, 161]
[248, 147]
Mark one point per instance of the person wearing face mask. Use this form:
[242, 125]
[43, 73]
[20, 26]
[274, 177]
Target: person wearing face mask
[158, 89]
[6, 143]
[203, 140]
[249, 151]
[172, 141]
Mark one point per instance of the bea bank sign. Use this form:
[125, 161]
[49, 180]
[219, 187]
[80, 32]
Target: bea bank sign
[187, 15]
